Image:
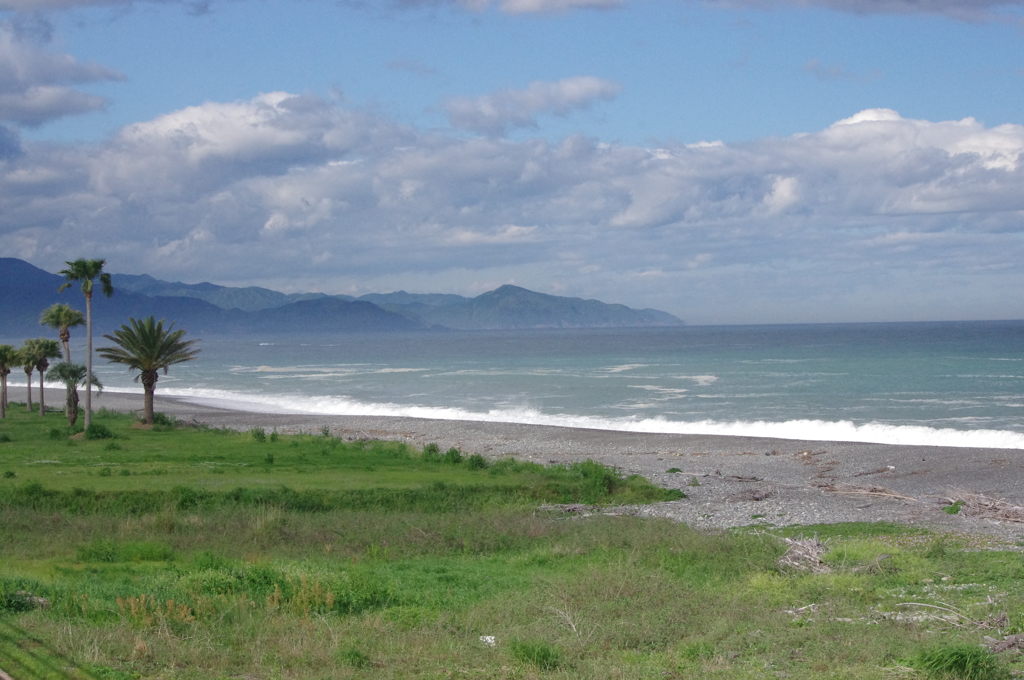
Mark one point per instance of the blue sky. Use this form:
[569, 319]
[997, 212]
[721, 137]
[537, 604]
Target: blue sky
[740, 162]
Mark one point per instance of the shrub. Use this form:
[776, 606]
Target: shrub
[105, 472]
[541, 654]
[325, 431]
[960, 661]
[259, 434]
[98, 431]
[476, 462]
[453, 456]
[273, 435]
[269, 459]
[673, 470]
[125, 472]
[431, 453]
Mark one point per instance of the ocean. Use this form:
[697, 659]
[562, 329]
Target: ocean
[951, 384]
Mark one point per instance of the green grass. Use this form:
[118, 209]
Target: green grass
[219, 575]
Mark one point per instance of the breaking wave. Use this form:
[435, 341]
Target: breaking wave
[812, 430]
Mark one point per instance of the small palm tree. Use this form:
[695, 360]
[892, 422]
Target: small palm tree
[36, 355]
[86, 271]
[8, 360]
[73, 377]
[147, 347]
[62, 318]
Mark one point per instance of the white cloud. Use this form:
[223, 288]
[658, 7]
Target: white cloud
[342, 199]
[494, 114]
[34, 81]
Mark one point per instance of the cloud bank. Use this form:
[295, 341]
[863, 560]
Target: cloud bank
[494, 114]
[854, 216]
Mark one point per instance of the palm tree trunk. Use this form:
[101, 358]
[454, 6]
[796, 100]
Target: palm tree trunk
[88, 360]
[65, 339]
[28, 379]
[42, 403]
[149, 379]
[3, 395]
[71, 408]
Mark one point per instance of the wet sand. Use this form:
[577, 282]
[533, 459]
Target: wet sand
[729, 481]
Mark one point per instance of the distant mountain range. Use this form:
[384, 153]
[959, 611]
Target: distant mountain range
[205, 308]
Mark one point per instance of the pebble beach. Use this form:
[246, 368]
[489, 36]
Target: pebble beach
[729, 481]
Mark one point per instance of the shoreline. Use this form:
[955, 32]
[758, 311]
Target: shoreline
[742, 480]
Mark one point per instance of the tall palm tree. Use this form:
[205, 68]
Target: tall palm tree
[8, 360]
[73, 376]
[86, 271]
[62, 318]
[45, 349]
[146, 347]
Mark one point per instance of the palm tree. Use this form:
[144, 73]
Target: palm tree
[8, 360]
[36, 355]
[72, 375]
[146, 347]
[86, 271]
[62, 317]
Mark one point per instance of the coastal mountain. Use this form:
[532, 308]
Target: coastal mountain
[515, 307]
[26, 290]
[206, 308]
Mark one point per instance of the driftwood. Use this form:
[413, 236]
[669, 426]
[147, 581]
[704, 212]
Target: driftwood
[804, 554]
[985, 507]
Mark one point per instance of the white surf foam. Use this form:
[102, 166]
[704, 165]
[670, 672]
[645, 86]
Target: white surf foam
[812, 430]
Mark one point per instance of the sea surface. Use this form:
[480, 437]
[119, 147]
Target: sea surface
[952, 384]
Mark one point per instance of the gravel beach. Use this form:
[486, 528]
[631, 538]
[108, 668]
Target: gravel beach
[729, 481]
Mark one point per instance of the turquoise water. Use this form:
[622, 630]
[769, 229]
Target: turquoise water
[959, 384]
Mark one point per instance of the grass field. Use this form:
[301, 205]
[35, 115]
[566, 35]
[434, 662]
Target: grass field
[191, 553]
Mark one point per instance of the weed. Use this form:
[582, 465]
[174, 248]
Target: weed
[693, 481]
[112, 446]
[268, 459]
[960, 661]
[98, 431]
[273, 435]
[164, 420]
[354, 658]
[103, 550]
[5, 438]
[954, 508]
[673, 470]
[476, 462]
[125, 472]
[105, 472]
[453, 456]
[541, 654]
[325, 431]
[9, 474]
[259, 434]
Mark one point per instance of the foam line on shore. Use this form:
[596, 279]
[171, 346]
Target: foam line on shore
[810, 430]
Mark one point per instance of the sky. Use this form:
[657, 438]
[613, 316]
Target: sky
[732, 161]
